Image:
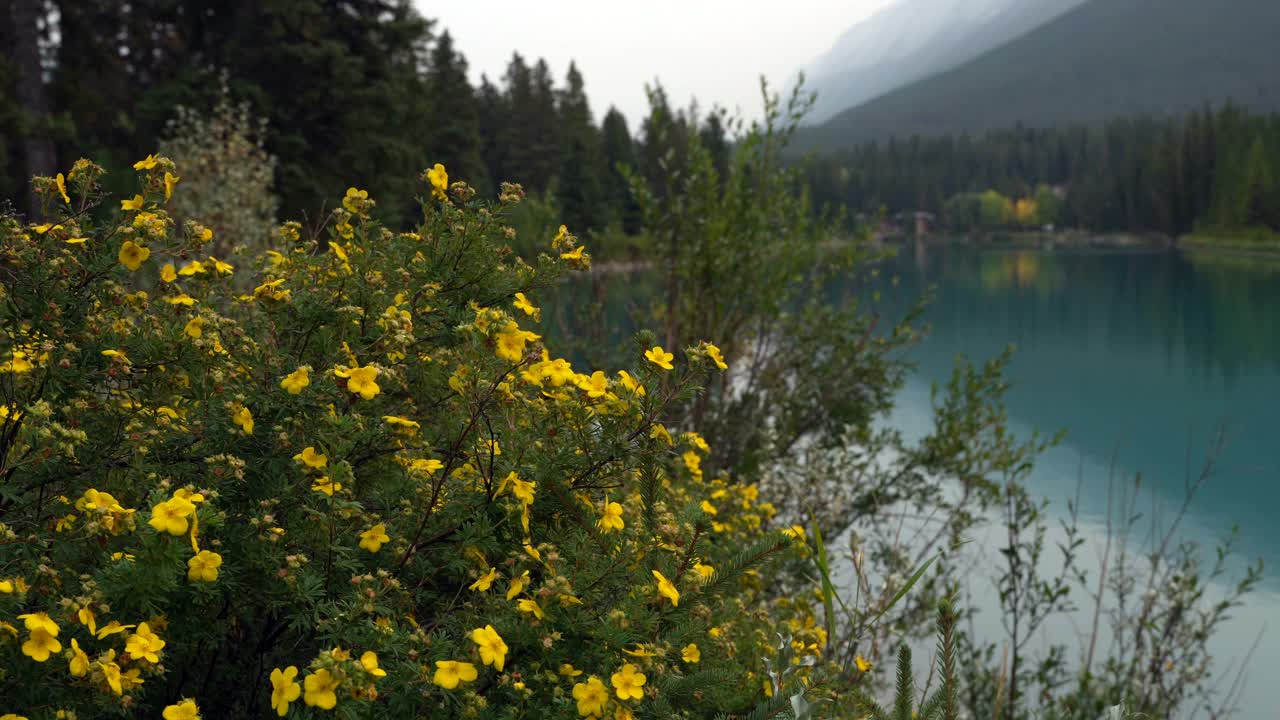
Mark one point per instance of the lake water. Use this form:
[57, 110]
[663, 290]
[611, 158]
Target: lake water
[1142, 358]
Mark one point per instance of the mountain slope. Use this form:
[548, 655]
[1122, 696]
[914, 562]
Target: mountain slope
[913, 39]
[1102, 59]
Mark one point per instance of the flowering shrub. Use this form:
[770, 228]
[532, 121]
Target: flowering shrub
[363, 487]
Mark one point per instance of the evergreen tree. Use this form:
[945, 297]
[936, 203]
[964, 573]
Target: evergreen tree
[579, 187]
[714, 140]
[453, 118]
[532, 133]
[1257, 200]
[492, 120]
[619, 152]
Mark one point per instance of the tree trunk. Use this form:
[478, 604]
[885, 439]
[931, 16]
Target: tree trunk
[37, 147]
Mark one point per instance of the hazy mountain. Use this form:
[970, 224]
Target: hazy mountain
[913, 39]
[1102, 59]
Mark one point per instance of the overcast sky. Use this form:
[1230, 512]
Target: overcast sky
[714, 50]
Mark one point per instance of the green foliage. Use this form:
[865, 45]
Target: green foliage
[229, 186]
[366, 468]
[1209, 168]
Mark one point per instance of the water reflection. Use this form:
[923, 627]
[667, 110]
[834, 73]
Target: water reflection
[1141, 357]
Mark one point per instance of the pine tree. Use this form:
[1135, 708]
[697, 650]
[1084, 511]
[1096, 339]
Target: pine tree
[581, 163]
[493, 116]
[619, 152]
[1258, 194]
[453, 120]
[532, 133]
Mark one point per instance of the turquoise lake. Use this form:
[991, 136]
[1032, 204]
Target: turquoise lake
[1142, 358]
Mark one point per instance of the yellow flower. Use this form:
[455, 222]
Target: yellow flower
[111, 673]
[705, 572]
[184, 300]
[6, 586]
[369, 661]
[133, 255]
[439, 179]
[79, 665]
[659, 432]
[133, 204]
[591, 696]
[311, 458]
[568, 670]
[194, 327]
[523, 490]
[485, 581]
[77, 240]
[374, 538]
[493, 651]
[171, 515]
[203, 566]
[167, 273]
[144, 644]
[713, 352]
[561, 237]
[169, 181]
[427, 466]
[450, 673]
[195, 267]
[522, 303]
[113, 628]
[597, 385]
[666, 589]
[352, 200]
[146, 163]
[863, 664]
[405, 424]
[320, 686]
[630, 383]
[532, 551]
[284, 689]
[244, 419]
[708, 508]
[40, 644]
[611, 517]
[659, 357]
[296, 381]
[88, 619]
[575, 254]
[518, 585]
[511, 342]
[691, 653]
[185, 709]
[795, 532]
[62, 188]
[362, 381]
[627, 683]
[326, 486]
[531, 607]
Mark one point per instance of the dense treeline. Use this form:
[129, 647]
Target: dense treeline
[363, 91]
[1215, 168]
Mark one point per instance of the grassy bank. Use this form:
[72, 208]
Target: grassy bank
[1262, 242]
